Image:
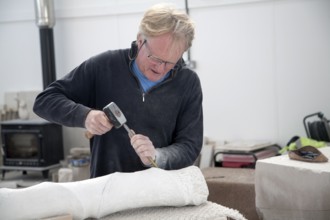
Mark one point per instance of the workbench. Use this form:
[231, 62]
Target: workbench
[292, 189]
[233, 188]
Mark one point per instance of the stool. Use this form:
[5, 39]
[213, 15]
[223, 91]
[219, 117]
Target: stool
[233, 188]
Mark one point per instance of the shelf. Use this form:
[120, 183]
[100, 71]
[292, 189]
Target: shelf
[44, 170]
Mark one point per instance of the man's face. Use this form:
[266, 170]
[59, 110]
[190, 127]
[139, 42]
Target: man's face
[157, 55]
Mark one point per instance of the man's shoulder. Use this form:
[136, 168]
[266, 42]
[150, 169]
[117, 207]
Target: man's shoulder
[108, 55]
[186, 73]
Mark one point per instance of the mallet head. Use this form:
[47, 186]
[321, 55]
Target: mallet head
[115, 115]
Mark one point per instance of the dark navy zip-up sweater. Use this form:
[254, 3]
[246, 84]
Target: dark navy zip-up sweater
[170, 113]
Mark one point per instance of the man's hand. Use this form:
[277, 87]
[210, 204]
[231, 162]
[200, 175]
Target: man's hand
[97, 122]
[144, 148]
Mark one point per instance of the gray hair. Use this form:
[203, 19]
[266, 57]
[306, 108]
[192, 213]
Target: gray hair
[165, 18]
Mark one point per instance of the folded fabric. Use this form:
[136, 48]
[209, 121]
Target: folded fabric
[301, 142]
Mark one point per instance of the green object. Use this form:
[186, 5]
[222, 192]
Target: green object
[302, 142]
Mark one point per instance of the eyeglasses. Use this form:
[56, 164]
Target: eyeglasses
[157, 60]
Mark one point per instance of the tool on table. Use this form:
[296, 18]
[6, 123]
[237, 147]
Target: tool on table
[118, 119]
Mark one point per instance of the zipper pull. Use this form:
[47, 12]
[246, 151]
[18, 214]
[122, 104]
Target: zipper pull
[143, 97]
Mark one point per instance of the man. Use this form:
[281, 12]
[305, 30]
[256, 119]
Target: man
[160, 97]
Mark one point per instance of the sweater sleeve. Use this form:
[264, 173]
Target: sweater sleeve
[188, 135]
[66, 100]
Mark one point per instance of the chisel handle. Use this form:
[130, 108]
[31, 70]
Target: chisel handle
[88, 135]
[131, 133]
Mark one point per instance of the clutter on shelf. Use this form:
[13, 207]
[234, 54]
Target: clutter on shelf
[76, 166]
[243, 154]
[18, 105]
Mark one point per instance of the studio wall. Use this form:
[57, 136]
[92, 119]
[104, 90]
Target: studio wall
[263, 64]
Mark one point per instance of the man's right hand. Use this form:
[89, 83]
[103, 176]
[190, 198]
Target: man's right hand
[97, 122]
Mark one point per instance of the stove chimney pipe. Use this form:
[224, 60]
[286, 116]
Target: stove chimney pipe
[45, 20]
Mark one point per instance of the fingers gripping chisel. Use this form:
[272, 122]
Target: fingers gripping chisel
[118, 119]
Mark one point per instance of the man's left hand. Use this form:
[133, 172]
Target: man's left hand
[144, 148]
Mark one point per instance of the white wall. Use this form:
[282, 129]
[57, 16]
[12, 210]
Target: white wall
[267, 66]
[264, 64]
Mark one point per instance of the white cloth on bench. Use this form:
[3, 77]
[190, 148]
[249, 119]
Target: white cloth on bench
[99, 197]
[292, 189]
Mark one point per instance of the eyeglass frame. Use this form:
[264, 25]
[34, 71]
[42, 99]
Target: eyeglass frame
[158, 60]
